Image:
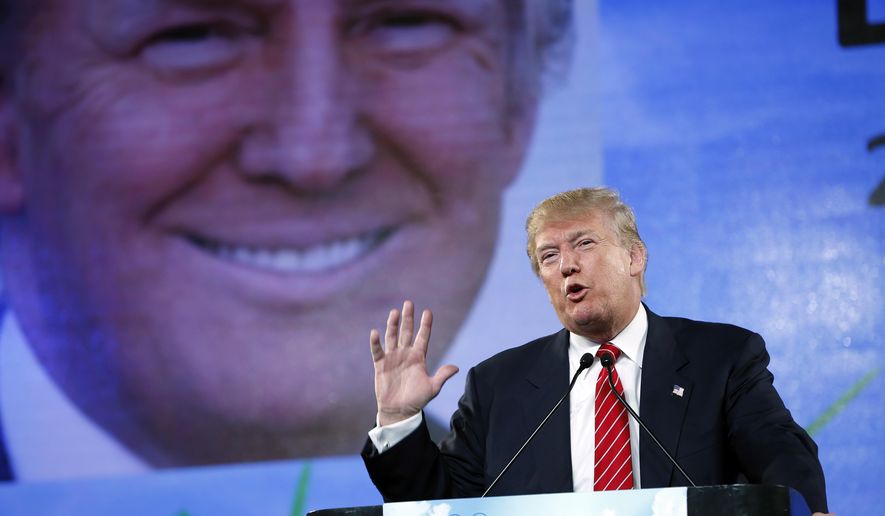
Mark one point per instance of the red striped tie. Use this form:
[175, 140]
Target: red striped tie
[613, 468]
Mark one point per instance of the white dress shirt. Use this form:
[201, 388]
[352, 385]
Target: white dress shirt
[631, 342]
[582, 414]
[47, 437]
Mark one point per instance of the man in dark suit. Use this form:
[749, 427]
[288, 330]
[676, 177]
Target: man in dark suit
[705, 389]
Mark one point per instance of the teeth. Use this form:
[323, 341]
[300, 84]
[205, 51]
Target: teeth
[313, 259]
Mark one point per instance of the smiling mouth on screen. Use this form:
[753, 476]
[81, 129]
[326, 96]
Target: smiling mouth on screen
[322, 257]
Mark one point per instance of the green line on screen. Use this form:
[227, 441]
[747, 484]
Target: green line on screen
[843, 401]
[301, 490]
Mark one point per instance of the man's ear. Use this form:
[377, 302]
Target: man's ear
[637, 259]
[12, 192]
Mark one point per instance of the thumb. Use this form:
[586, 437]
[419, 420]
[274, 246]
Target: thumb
[442, 376]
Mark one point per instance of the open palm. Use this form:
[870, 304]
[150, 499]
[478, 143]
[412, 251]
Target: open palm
[402, 385]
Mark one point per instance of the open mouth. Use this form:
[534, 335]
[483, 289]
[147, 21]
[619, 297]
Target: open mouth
[322, 257]
[575, 292]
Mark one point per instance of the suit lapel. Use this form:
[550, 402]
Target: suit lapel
[660, 408]
[545, 383]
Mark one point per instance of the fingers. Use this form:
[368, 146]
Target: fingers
[407, 328]
[375, 345]
[401, 328]
[441, 377]
[392, 332]
[423, 338]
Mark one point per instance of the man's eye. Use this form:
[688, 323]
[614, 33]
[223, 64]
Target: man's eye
[188, 34]
[410, 31]
[194, 47]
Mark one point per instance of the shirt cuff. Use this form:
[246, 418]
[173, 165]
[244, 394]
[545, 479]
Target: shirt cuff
[385, 437]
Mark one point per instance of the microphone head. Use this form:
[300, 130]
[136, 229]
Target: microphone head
[586, 360]
[606, 359]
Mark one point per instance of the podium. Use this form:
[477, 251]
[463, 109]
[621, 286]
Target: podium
[730, 500]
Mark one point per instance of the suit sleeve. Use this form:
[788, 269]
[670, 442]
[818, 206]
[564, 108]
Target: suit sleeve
[417, 469]
[770, 446]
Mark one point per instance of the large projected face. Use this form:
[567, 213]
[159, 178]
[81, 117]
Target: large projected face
[208, 204]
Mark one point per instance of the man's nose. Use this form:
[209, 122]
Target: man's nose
[312, 134]
[568, 263]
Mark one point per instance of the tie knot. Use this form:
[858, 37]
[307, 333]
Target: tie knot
[610, 349]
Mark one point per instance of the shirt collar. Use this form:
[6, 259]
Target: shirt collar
[47, 436]
[631, 340]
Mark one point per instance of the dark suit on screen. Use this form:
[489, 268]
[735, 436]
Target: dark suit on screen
[729, 426]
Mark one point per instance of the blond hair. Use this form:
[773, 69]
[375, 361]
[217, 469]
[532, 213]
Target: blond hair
[583, 201]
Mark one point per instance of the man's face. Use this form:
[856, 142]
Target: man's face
[592, 280]
[220, 199]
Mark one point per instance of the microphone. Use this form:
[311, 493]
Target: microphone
[586, 361]
[608, 361]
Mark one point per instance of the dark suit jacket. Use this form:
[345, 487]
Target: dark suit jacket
[730, 425]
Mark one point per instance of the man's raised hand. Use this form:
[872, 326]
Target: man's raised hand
[402, 385]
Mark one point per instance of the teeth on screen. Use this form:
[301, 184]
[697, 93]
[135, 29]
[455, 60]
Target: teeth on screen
[312, 259]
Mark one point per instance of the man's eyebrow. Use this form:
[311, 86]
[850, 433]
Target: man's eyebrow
[214, 3]
[114, 21]
[480, 10]
[579, 234]
[540, 247]
[148, 6]
[571, 237]
[352, 3]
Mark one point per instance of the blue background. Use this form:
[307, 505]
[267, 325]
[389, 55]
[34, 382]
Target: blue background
[738, 130]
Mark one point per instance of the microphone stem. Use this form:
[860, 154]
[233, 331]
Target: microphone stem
[647, 431]
[526, 443]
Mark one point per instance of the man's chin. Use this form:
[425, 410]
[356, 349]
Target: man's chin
[591, 325]
[225, 438]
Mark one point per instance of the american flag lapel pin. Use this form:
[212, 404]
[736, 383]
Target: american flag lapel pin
[678, 390]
